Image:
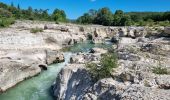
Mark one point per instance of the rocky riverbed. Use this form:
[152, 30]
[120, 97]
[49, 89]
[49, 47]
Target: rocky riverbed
[140, 49]
[24, 54]
[143, 71]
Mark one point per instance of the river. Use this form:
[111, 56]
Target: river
[38, 87]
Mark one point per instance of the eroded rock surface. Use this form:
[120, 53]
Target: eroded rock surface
[134, 79]
[140, 49]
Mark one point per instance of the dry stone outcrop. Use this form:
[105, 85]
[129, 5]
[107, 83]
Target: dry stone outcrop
[134, 79]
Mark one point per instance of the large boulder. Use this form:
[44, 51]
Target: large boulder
[105, 89]
[135, 32]
[72, 82]
[13, 72]
[123, 32]
[54, 57]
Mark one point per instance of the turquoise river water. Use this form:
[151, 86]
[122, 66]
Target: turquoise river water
[38, 87]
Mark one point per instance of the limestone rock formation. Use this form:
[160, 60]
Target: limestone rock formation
[13, 72]
[134, 79]
[140, 50]
[71, 82]
[18, 65]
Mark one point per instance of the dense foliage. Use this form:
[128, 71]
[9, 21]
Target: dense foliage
[59, 15]
[8, 13]
[5, 22]
[104, 68]
[105, 17]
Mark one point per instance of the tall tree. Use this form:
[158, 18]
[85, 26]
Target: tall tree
[104, 17]
[12, 4]
[18, 7]
[119, 12]
[59, 15]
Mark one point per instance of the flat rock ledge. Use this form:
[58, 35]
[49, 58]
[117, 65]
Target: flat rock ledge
[16, 66]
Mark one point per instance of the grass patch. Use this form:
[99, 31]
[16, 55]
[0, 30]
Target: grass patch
[36, 30]
[160, 70]
[104, 68]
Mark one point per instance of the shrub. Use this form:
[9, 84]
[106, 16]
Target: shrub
[160, 70]
[5, 22]
[164, 23]
[36, 30]
[104, 68]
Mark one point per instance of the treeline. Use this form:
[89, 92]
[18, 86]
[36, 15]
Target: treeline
[8, 13]
[105, 17]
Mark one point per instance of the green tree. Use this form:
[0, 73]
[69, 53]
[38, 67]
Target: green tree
[12, 4]
[5, 13]
[88, 18]
[59, 15]
[104, 17]
[118, 21]
[136, 18]
[45, 14]
[166, 16]
[92, 12]
[119, 12]
[18, 7]
[125, 21]
[4, 6]
[85, 19]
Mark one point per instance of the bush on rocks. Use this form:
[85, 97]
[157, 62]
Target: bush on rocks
[104, 68]
[160, 70]
[5, 22]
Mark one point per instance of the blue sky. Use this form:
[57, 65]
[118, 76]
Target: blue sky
[75, 8]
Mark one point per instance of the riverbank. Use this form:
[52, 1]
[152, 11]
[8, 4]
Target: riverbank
[38, 87]
[24, 53]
